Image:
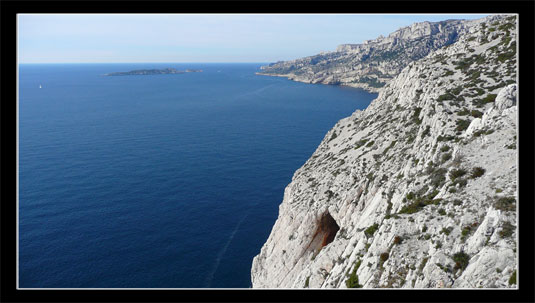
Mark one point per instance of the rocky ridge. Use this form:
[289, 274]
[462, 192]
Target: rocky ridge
[416, 191]
[372, 64]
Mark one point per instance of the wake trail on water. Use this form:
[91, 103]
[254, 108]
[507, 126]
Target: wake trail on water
[224, 250]
[256, 92]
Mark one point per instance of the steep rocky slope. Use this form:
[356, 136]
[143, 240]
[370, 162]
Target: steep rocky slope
[416, 191]
[372, 64]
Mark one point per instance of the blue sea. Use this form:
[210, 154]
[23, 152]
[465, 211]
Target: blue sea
[159, 181]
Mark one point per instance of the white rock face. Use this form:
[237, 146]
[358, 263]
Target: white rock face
[506, 98]
[416, 191]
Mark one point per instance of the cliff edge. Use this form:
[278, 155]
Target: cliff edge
[417, 191]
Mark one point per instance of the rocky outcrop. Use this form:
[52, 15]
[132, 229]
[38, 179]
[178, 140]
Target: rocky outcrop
[417, 191]
[372, 64]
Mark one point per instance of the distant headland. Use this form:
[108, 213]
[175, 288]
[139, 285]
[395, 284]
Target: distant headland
[164, 71]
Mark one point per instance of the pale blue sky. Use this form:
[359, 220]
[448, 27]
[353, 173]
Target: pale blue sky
[107, 38]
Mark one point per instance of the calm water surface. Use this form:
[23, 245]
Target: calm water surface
[161, 180]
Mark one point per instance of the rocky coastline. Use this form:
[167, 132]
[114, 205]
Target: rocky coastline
[419, 190]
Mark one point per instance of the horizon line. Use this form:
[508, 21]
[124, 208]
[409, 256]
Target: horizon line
[142, 62]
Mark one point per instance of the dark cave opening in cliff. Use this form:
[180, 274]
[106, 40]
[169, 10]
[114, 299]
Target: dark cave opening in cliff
[325, 233]
[328, 229]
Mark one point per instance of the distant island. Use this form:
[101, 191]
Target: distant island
[164, 71]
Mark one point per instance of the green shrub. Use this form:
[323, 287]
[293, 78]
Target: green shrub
[384, 256]
[475, 113]
[478, 133]
[462, 124]
[370, 143]
[410, 196]
[397, 240]
[416, 114]
[457, 202]
[512, 279]
[456, 173]
[395, 216]
[444, 148]
[426, 131]
[445, 138]
[442, 212]
[505, 203]
[444, 268]
[422, 264]
[465, 232]
[333, 136]
[456, 90]
[489, 98]
[446, 231]
[361, 143]
[463, 112]
[445, 97]
[508, 55]
[353, 281]
[389, 146]
[461, 260]
[463, 64]
[418, 204]
[445, 157]
[507, 230]
[432, 194]
[479, 91]
[371, 230]
[477, 172]
[306, 281]
[506, 26]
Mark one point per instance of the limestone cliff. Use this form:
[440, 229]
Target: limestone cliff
[375, 62]
[416, 191]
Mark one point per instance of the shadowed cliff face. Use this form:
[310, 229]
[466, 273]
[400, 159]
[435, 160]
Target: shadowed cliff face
[323, 235]
[328, 228]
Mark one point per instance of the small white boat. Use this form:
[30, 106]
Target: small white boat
[40, 86]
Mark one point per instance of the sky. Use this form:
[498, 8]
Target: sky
[140, 38]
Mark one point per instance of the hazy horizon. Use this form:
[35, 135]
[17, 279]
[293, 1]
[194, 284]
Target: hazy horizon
[198, 38]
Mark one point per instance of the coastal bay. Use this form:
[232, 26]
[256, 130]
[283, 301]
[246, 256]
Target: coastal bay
[159, 181]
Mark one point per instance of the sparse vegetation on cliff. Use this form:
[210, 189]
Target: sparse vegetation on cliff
[428, 167]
